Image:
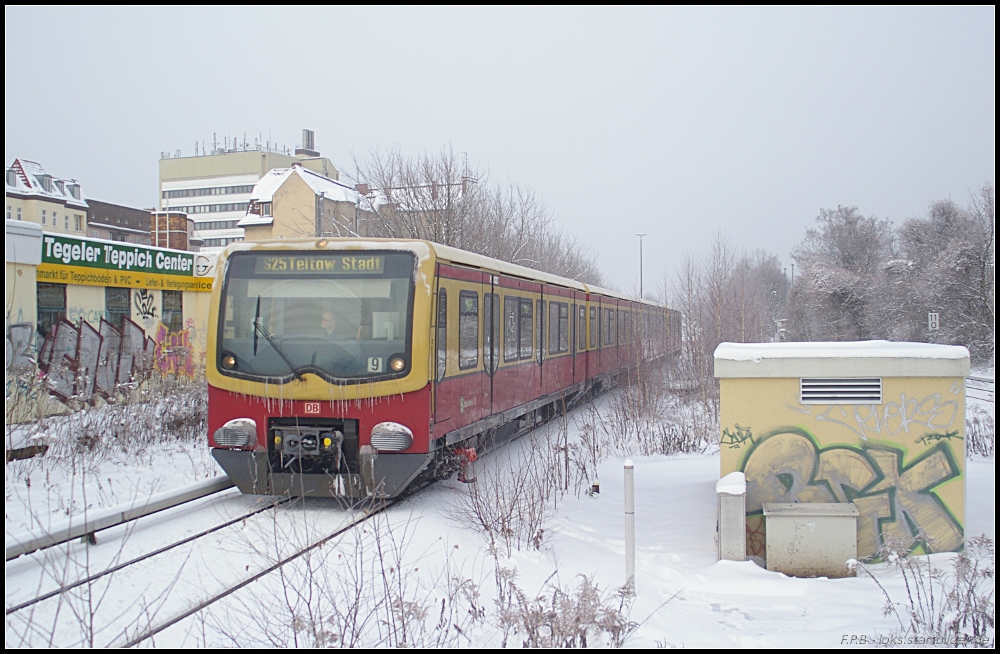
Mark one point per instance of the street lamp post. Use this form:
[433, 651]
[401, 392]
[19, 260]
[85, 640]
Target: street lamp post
[640, 262]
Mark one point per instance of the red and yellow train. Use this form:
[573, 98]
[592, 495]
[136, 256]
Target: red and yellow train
[351, 368]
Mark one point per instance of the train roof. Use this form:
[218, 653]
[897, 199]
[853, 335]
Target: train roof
[452, 254]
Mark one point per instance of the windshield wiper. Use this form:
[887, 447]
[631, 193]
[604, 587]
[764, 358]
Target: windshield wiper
[259, 329]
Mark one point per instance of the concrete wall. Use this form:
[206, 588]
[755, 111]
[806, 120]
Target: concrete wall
[901, 462]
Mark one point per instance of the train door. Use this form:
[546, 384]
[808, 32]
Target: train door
[540, 340]
[439, 339]
[491, 335]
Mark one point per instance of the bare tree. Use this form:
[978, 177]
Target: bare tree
[439, 198]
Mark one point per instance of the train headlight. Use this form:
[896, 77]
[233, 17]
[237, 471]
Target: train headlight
[391, 437]
[228, 361]
[396, 364]
[240, 432]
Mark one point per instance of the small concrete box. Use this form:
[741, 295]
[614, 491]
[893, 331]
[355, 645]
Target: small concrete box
[811, 540]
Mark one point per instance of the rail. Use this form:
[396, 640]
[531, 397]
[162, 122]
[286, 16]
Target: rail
[980, 388]
[29, 541]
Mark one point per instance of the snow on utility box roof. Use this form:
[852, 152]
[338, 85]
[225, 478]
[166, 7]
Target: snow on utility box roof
[839, 359]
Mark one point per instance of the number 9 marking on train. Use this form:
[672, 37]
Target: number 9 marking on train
[374, 364]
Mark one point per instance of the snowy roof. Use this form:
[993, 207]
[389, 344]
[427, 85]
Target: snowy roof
[266, 187]
[328, 188]
[841, 359]
[26, 178]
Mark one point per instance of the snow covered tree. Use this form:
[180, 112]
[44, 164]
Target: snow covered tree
[862, 280]
[950, 271]
[842, 260]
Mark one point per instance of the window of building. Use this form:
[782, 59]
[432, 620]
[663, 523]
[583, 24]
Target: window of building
[442, 333]
[19, 213]
[468, 329]
[117, 305]
[44, 217]
[66, 221]
[9, 212]
[173, 310]
[78, 222]
[51, 306]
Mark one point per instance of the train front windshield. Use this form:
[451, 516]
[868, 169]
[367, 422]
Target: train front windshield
[340, 315]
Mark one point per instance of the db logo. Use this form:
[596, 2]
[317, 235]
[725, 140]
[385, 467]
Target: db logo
[312, 407]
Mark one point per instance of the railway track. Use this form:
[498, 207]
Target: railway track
[121, 566]
[183, 615]
[979, 388]
[170, 556]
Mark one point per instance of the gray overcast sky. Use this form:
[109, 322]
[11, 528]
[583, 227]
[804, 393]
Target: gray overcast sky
[674, 122]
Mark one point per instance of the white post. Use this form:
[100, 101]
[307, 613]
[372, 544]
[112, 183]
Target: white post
[630, 524]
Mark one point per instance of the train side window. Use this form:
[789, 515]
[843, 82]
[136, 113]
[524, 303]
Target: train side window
[593, 327]
[540, 349]
[442, 333]
[554, 327]
[511, 306]
[491, 331]
[563, 327]
[558, 327]
[526, 326]
[609, 330]
[581, 330]
[468, 329]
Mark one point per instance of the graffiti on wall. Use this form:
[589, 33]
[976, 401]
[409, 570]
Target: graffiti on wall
[145, 303]
[18, 347]
[174, 351]
[895, 500]
[893, 418]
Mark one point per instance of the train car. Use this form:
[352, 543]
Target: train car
[353, 368]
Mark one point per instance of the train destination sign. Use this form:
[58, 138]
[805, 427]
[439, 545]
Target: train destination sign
[90, 262]
[341, 264]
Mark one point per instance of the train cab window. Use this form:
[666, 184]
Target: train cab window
[468, 329]
[491, 332]
[594, 327]
[581, 330]
[442, 333]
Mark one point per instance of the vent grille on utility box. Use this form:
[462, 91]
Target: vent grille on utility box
[839, 390]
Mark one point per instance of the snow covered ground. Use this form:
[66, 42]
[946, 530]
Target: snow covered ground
[424, 564]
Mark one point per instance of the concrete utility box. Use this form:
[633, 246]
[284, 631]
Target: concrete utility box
[732, 493]
[811, 540]
[877, 424]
